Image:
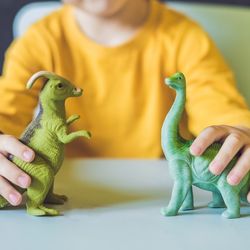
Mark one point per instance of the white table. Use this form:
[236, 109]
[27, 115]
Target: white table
[115, 205]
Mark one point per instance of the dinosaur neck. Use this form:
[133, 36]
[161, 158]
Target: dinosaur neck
[54, 109]
[171, 139]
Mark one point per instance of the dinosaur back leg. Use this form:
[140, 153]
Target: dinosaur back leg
[181, 173]
[42, 179]
[217, 201]
[188, 203]
[231, 198]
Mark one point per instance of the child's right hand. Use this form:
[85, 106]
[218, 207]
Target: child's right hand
[9, 172]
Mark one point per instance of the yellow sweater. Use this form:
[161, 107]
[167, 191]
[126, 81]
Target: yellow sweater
[125, 100]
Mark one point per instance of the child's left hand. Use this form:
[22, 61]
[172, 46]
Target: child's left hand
[234, 139]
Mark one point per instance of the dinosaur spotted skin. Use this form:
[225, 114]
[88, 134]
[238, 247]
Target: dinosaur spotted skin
[188, 170]
[46, 135]
[35, 124]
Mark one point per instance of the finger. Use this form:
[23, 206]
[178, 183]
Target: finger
[14, 174]
[229, 149]
[240, 169]
[9, 193]
[206, 138]
[248, 197]
[11, 145]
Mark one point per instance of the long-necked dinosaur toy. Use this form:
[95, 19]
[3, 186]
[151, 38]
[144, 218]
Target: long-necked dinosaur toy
[188, 170]
[46, 135]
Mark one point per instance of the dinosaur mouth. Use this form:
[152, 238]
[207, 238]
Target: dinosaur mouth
[168, 81]
[77, 92]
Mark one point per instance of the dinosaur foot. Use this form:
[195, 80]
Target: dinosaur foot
[187, 207]
[168, 212]
[36, 211]
[230, 215]
[56, 199]
[213, 204]
[41, 211]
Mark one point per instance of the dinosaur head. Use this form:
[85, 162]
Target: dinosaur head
[56, 87]
[176, 81]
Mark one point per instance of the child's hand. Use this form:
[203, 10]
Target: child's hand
[9, 171]
[234, 139]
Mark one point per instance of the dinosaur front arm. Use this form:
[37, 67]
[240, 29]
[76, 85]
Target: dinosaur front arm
[67, 138]
[72, 118]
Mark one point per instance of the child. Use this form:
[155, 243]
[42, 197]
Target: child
[119, 52]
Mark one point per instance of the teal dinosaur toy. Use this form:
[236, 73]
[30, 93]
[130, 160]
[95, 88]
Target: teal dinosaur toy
[46, 135]
[188, 170]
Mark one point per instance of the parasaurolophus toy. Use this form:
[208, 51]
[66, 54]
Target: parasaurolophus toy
[188, 170]
[46, 135]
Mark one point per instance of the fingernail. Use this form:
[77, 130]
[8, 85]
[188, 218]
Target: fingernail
[214, 167]
[23, 181]
[195, 150]
[27, 155]
[14, 199]
[248, 198]
[233, 179]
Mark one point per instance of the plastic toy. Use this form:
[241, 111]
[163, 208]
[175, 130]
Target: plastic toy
[188, 170]
[46, 135]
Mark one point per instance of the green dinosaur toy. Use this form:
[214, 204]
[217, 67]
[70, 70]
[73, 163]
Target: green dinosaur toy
[46, 135]
[188, 170]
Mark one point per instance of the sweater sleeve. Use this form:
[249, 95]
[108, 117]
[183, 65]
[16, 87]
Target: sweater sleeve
[212, 95]
[24, 57]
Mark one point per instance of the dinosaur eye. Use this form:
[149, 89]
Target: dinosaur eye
[179, 78]
[60, 85]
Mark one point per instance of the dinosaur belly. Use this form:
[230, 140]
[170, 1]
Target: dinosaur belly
[208, 186]
[48, 147]
[201, 172]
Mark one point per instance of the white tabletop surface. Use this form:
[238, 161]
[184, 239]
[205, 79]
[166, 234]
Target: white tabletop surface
[115, 205]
